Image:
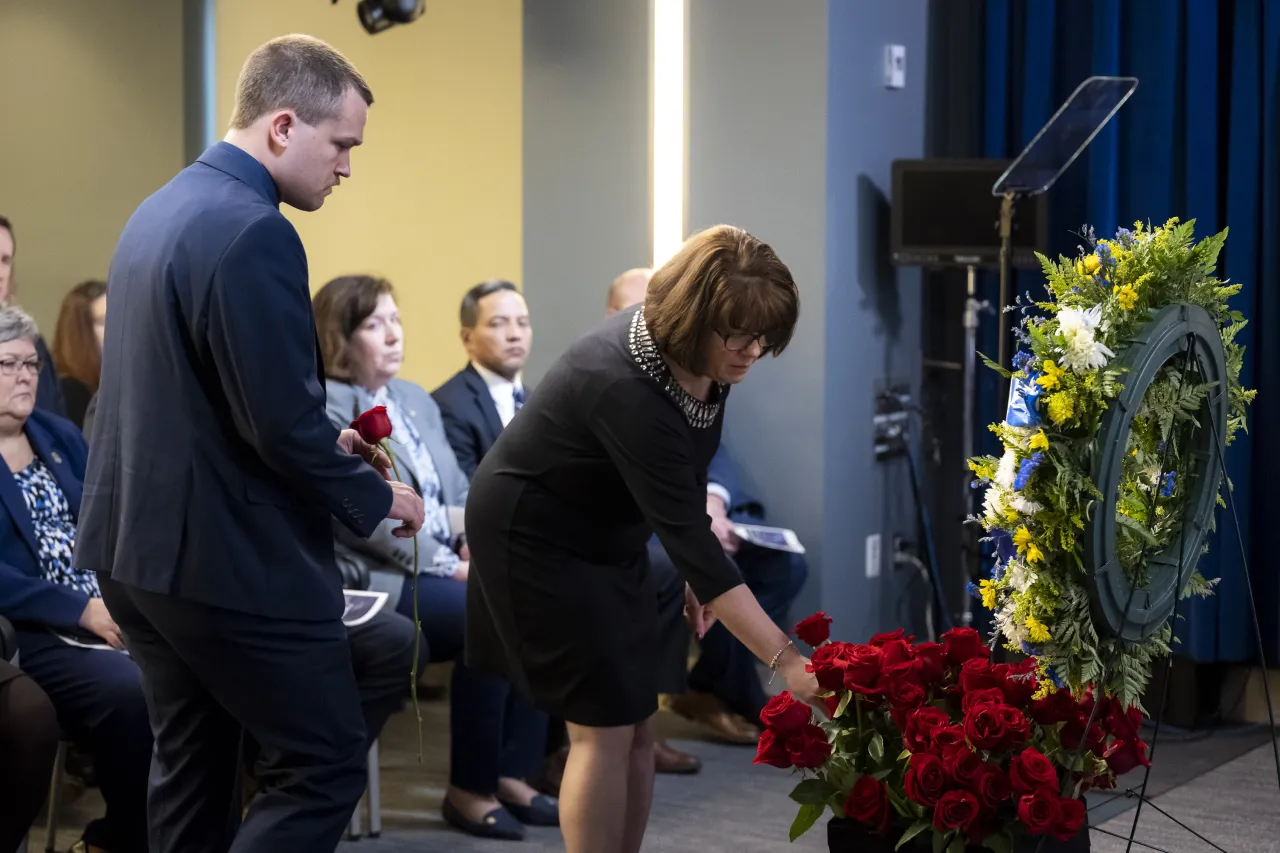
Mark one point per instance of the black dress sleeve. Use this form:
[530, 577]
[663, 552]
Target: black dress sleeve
[648, 441]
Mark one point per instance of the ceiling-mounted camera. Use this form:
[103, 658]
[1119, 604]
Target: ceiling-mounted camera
[379, 15]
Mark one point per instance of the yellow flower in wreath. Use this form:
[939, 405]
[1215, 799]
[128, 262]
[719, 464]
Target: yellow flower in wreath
[1040, 441]
[1091, 264]
[1022, 538]
[1037, 630]
[1061, 408]
[988, 589]
[1126, 296]
[1034, 554]
[1052, 376]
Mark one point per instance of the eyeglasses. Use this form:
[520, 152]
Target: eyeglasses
[740, 342]
[9, 366]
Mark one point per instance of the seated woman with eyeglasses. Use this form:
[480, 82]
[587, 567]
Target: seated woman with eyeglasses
[97, 692]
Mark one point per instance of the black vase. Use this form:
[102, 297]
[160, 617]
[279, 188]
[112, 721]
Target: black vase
[850, 836]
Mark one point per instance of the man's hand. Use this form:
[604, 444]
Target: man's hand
[351, 442]
[407, 508]
[721, 526]
[95, 618]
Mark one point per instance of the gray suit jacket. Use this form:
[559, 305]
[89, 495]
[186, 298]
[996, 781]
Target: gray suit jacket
[389, 559]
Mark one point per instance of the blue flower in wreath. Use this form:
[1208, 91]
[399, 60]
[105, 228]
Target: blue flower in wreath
[1021, 359]
[1167, 483]
[1104, 254]
[1055, 678]
[1026, 469]
[1029, 650]
[972, 589]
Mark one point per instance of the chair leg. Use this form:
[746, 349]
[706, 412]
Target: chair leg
[55, 799]
[374, 794]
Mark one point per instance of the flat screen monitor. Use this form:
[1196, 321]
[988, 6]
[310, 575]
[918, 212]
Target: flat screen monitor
[944, 215]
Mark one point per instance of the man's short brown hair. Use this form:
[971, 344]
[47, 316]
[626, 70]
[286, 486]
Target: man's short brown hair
[340, 307]
[722, 281]
[295, 72]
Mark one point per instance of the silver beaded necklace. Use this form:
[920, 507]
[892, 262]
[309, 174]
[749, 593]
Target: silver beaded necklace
[700, 415]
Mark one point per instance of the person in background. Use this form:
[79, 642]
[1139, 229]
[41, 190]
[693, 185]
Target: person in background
[97, 692]
[496, 736]
[49, 397]
[481, 399]
[28, 743]
[77, 345]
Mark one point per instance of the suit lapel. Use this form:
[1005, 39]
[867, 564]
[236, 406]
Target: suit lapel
[58, 464]
[484, 400]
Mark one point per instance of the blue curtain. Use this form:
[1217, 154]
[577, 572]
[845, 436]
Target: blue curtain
[1198, 140]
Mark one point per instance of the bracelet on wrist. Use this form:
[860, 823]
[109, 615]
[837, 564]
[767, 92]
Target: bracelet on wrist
[773, 664]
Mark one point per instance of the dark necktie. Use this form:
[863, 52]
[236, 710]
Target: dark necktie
[517, 394]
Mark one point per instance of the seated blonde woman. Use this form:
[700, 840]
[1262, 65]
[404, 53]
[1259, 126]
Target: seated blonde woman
[496, 736]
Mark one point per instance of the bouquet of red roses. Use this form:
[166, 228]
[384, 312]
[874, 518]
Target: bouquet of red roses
[934, 738]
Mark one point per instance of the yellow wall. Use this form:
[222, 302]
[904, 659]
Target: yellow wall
[90, 125]
[434, 201]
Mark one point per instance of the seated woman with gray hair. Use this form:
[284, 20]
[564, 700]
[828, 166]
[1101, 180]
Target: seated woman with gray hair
[68, 643]
[496, 736]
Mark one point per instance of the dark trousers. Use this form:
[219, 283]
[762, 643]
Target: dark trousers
[28, 744]
[98, 696]
[213, 677]
[494, 732]
[382, 656]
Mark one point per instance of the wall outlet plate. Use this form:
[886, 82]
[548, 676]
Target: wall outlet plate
[873, 555]
[895, 66]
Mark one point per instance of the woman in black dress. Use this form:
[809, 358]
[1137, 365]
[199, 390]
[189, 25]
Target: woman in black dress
[613, 445]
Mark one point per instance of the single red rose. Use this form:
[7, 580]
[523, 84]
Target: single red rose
[918, 733]
[1124, 725]
[1073, 734]
[881, 639]
[895, 654]
[772, 750]
[1018, 724]
[1057, 707]
[956, 810]
[814, 630]
[828, 664]
[1039, 810]
[963, 767]
[809, 747]
[906, 693]
[1031, 771]
[933, 662]
[992, 787]
[985, 696]
[1070, 818]
[976, 674]
[374, 425]
[786, 714]
[948, 738]
[985, 727]
[862, 673]
[868, 803]
[964, 644]
[1020, 682]
[1124, 755]
[925, 780]
[832, 704]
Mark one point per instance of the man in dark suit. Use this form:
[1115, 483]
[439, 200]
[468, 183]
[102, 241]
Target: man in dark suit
[482, 398]
[214, 474]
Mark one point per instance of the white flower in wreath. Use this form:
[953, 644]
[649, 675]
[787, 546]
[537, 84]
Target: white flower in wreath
[1006, 626]
[1024, 506]
[1007, 470]
[1020, 576]
[1081, 351]
[995, 505]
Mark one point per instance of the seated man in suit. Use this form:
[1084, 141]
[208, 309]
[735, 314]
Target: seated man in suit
[483, 397]
[724, 692]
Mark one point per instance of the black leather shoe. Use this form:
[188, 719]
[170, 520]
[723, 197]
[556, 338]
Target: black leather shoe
[498, 824]
[541, 811]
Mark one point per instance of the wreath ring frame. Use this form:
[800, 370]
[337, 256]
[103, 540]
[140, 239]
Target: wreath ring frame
[1168, 335]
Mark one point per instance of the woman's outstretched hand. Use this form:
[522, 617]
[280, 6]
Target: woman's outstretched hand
[803, 685]
[699, 615]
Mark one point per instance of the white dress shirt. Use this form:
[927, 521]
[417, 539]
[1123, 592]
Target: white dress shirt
[502, 390]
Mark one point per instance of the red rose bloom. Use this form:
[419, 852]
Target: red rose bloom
[1039, 811]
[772, 750]
[1073, 734]
[1125, 725]
[786, 714]
[964, 644]
[896, 657]
[1019, 682]
[828, 664]
[976, 674]
[926, 779]
[881, 639]
[991, 786]
[1057, 707]
[948, 738]
[374, 425]
[1019, 727]
[1070, 819]
[985, 727]
[906, 693]
[869, 803]
[862, 672]
[921, 725]
[933, 662]
[814, 630]
[963, 766]
[1124, 755]
[1030, 771]
[956, 810]
[809, 747]
[985, 696]
[832, 704]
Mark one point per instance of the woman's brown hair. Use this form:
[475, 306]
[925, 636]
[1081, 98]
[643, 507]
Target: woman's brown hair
[76, 353]
[341, 306]
[723, 281]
